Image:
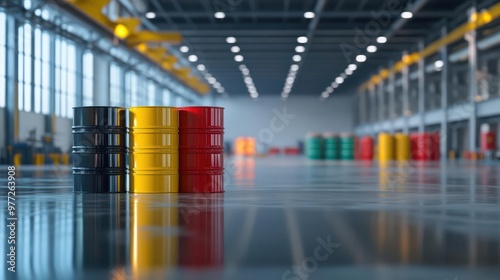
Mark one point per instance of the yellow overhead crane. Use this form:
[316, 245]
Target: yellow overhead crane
[127, 30]
[476, 21]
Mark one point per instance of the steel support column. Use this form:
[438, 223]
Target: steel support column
[421, 90]
[392, 100]
[444, 97]
[473, 131]
[373, 111]
[50, 117]
[11, 132]
[405, 78]
[79, 75]
[362, 107]
[381, 101]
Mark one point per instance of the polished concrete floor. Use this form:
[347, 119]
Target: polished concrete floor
[280, 218]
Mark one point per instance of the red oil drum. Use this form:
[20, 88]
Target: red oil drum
[291, 151]
[435, 148]
[425, 146]
[273, 151]
[488, 141]
[366, 148]
[201, 149]
[420, 144]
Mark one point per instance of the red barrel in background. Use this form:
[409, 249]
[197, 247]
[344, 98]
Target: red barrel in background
[488, 141]
[201, 149]
[366, 148]
[425, 146]
[435, 138]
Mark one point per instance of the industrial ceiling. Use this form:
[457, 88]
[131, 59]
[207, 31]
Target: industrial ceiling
[267, 31]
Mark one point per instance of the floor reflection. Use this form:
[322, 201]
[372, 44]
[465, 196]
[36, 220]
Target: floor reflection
[393, 221]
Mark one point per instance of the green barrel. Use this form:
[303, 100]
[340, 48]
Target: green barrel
[314, 146]
[332, 150]
[346, 146]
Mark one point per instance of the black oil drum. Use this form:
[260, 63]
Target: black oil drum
[99, 149]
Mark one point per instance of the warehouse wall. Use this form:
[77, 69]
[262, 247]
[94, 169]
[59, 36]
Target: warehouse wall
[63, 137]
[247, 117]
[29, 121]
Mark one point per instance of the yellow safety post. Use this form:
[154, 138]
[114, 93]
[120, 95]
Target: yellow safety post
[65, 159]
[38, 159]
[17, 159]
[56, 159]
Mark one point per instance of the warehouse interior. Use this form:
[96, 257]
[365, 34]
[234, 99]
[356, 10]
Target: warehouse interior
[359, 138]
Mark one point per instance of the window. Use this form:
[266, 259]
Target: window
[115, 85]
[41, 72]
[88, 78]
[179, 101]
[166, 98]
[3, 31]
[131, 89]
[24, 67]
[151, 93]
[65, 78]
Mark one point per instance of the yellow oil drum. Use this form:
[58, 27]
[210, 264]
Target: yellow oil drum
[154, 149]
[402, 147]
[386, 147]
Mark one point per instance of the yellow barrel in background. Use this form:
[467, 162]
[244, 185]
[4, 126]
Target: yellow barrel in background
[38, 159]
[385, 147]
[402, 147]
[154, 149]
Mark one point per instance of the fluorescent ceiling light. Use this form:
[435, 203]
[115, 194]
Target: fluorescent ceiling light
[439, 64]
[238, 58]
[220, 15]
[150, 15]
[302, 39]
[361, 58]
[300, 49]
[235, 49]
[382, 40]
[309, 15]
[231, 40]
[371, 49]
[407, 14]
